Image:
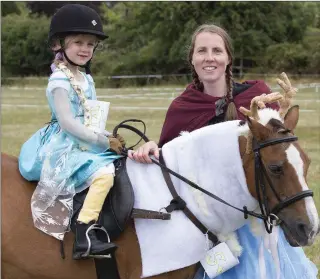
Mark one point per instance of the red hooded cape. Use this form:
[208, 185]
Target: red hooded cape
[193, 109]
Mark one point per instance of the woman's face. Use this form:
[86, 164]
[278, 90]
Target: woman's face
[210, 57]
[79, 48]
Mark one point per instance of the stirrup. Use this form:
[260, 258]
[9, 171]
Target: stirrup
[95, 227]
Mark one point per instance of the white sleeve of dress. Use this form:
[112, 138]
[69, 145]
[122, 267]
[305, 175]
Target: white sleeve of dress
[58, 79]
[94, 141]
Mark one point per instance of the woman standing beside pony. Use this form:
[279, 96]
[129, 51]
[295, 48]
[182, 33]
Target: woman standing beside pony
[214, 97]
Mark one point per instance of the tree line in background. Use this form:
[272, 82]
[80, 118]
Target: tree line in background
[153, 37]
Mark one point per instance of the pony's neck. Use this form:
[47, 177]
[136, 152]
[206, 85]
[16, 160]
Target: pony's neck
[248, 164]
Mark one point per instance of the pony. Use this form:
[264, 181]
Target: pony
[265, 139]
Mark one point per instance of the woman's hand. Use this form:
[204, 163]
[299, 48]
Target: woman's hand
[141, 155]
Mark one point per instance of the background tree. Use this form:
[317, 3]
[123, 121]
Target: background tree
[9, 8]
[153, 37]
[24, 48]
[48, 8]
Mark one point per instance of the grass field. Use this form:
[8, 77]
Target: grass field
[24, 110]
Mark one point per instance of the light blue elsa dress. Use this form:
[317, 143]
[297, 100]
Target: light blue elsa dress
[53, 157]
[257, 261]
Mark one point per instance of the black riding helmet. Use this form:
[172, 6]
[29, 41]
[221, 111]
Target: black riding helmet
[75, 19]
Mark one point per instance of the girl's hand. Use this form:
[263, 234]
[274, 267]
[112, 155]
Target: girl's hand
[141, 155]
[115, 145]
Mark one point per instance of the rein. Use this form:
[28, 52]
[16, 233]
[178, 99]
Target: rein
[133, 129]
[268, 216]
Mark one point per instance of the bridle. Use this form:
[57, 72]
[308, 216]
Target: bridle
[269, 217]
[261, 176]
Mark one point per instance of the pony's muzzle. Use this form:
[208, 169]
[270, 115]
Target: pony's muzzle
[306, 231]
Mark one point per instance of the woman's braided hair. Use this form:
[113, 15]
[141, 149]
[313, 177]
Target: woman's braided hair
[231, 113]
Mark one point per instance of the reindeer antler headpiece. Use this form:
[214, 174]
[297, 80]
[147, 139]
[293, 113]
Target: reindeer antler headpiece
[260, 101]
[289, 92]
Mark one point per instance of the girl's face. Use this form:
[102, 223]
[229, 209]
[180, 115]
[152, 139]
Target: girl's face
[210, 58]
[79, 48]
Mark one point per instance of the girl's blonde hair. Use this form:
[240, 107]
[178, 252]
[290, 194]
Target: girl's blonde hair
[62, 42]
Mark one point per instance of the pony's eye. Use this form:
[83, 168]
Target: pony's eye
[276, 169]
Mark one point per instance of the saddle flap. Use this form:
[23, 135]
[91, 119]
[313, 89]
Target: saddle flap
[117, 208]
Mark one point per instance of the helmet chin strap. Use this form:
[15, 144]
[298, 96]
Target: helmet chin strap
[86, 66]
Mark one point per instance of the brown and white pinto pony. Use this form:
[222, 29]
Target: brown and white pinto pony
[28, 253]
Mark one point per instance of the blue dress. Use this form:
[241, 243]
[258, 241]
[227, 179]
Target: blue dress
[258, 262]
[53, 157]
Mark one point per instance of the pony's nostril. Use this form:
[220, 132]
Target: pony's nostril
[306, 231]
[303, 230]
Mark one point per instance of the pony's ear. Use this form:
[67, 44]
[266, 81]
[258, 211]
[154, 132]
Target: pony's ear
[259, 131]
[291, 118]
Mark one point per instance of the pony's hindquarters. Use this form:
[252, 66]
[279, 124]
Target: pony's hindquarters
[25, 250]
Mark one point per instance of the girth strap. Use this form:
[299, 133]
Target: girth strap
[107, 268]
[179, 204]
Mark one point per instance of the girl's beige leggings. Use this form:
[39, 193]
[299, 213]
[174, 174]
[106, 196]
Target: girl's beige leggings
[97, 193]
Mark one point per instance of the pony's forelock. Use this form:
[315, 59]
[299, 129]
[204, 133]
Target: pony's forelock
[265, 116]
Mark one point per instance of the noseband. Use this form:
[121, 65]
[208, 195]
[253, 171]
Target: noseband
[261, 175]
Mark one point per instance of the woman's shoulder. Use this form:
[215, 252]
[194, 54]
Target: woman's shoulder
[258, 86]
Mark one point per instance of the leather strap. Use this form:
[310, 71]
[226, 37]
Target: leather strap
[185, 209]
[150, 214]
[133, 129]
[259, 145]
[291, 200]
[107, 268]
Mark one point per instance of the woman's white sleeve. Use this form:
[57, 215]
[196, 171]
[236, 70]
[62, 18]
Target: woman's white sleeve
[93, 141]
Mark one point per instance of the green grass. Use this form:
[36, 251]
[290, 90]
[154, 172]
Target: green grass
[19, 123]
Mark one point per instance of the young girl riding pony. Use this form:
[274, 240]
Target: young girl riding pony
[71, 154]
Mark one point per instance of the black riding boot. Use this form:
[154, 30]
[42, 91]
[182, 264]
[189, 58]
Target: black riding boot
[98, 248]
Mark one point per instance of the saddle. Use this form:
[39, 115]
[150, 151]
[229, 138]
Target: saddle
[118, 206]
